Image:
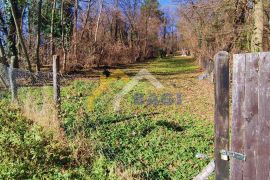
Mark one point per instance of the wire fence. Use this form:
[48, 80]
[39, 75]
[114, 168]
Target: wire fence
[12, 79]
[24, 77]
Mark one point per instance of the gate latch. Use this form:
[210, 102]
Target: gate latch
[226, 154]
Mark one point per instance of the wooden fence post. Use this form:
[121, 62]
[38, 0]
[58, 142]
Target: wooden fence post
[12, 80]
[222, 82]
[56, 80]
[238, 109]
[263, 125]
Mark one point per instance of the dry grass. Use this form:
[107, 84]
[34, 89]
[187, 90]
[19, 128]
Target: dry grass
[82, 149]
[45, 115]
[179, 75]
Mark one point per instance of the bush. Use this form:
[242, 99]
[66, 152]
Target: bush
[26, 151]
[162, 53]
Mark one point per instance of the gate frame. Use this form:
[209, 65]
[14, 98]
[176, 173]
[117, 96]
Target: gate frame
[222, 83]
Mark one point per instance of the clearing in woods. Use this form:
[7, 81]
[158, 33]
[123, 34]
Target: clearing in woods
[143, 141]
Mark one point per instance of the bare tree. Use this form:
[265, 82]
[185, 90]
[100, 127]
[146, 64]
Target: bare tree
[38, 36]
[3, 57]
[87, 17]
[52, 28]
[257, 37]
[10, 32]
[116, 19]
[98, 19]
[63, 35]
[29, 26]
[75, 28]
[19, 34]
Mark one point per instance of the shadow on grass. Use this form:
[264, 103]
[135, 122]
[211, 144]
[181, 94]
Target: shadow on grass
[147, 130]
[113, 152]
[164, 66]
[170, 126]
[153, 174]
[115, 120]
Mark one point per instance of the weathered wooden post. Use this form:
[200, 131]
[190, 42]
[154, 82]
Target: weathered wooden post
[12, 80]
[56, 80]
[262, 145]
[221, 113]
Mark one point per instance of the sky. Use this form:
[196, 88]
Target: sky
[170, 7]
[166, 3]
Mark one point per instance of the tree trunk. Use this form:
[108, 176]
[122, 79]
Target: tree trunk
[87, 17]
[2, 50]
[145, 38]
[257, 37]
[164, 31]
[2, 21]
[75, 29]
[38, 36]
[52, 28]
[116, 4]
[19, 34]
[3, 57]
[20, 17]
[12, 50]
[98, 20]
[29, 27]
[63, 36]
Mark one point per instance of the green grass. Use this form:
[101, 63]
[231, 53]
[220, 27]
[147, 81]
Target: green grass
[142, 141]
[29, 152]
[166, 66]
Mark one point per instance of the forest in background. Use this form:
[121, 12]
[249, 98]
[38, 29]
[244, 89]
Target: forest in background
[143, 141]
[235, 26]
[85, 33]
[93, 33]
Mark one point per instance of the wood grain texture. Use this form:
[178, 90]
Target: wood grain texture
[221, 113]
[238, 95]
[250, 115]
[263, 143]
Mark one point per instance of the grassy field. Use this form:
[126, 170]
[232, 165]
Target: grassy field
[143, 141]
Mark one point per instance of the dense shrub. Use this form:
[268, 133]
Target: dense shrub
[26, 151]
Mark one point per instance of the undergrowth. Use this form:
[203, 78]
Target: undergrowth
[141, 142]
[27, 151]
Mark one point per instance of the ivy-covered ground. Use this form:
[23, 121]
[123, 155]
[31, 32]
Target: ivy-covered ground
[90, 140]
